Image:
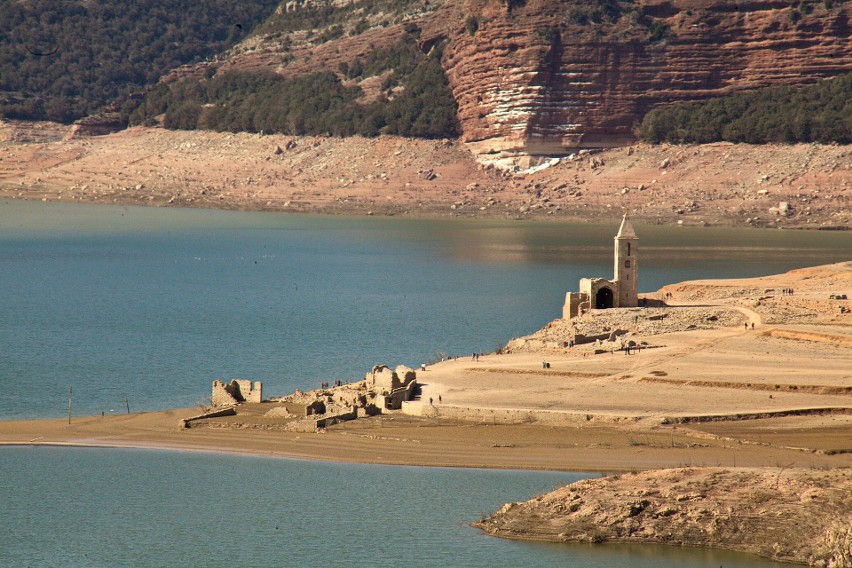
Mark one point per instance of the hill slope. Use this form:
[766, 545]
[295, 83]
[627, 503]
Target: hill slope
[711, 184]
[546, 76]
[539, 77]
[64, 60]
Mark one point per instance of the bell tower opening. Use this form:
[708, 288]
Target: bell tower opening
[603, 299]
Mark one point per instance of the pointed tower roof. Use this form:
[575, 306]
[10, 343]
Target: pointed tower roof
[626, 230]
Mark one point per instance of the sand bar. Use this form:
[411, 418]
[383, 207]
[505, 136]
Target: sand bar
[705, 391]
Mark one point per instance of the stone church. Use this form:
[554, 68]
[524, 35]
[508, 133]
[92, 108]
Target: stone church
[620, 292]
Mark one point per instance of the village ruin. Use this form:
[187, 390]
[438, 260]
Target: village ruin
[235, 392]
[382, 390]
[385, 390]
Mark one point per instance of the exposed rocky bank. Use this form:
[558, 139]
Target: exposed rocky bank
[801, 186]
[792, 515]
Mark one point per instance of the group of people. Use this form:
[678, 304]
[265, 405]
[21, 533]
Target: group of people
[632, 347]
[324, 384]
[475, 356]
[669, 296]
[786, 291]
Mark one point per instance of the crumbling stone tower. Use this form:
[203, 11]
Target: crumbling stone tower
[626, 270]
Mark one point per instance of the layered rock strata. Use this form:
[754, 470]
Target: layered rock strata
[538, 77]
[525, 80]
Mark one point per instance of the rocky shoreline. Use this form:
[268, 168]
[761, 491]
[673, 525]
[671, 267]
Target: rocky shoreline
[790, 515]
[798, 186]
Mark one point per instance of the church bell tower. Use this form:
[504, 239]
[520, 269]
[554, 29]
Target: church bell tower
[626, 270]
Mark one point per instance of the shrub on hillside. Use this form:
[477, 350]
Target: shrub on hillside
[418, 102]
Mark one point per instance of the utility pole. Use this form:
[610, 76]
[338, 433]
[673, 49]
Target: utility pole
[70, 390]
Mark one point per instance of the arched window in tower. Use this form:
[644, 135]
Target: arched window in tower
[626, 264]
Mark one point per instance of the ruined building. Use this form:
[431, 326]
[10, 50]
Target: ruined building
[620, 292]
[235, 392]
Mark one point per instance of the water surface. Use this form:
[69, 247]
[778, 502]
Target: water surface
[79, 507]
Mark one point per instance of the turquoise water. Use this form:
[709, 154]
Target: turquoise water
[81, 507]
[153, 304]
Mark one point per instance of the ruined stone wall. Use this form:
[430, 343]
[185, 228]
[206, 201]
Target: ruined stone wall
[250, 392]
[383, 380]
[238, 390]
[573, 302]
[222, 395]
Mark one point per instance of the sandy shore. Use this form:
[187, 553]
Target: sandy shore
[439, 442]
[704, 392]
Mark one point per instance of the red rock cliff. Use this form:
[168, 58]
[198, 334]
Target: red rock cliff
[530, 79]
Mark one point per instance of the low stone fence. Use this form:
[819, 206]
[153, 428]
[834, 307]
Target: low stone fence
[322, 421]
[507, 415]
[229, 411]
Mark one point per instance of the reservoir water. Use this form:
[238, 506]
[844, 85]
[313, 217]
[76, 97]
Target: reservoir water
[153, 304]
[109, 508]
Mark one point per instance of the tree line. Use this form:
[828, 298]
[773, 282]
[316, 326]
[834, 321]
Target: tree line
[816, 113]
[417, 103]
[64, 59]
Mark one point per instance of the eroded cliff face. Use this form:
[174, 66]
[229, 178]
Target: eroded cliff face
[546, 77]
[542, 79]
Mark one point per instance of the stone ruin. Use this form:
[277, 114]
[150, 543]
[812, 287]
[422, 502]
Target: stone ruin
[381, 390]
[620, 292]
[235, 392]
[391, 388]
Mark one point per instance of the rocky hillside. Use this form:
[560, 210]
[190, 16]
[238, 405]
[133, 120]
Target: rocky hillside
[521, 77]
[544, 77]
[527, 79]
[713, 184]
[802, 516]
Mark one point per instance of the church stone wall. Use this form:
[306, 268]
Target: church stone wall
[573, 303]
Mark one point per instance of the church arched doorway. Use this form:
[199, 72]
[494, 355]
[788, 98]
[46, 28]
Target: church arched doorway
[603, 299]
